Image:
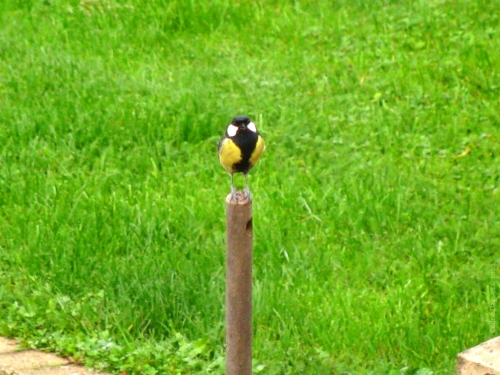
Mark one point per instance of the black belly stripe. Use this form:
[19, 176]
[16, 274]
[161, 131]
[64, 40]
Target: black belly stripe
[246, 142]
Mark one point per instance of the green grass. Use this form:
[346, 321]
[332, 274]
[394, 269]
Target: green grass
[376, 204]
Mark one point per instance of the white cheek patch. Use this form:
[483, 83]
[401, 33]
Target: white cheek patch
[231, 130]
[252, 127]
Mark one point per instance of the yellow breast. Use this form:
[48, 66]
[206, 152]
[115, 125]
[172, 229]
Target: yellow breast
[229, 154]
[256, 154]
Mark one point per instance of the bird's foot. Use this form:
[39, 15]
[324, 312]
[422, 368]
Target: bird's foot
[234, 194]
[246, 193]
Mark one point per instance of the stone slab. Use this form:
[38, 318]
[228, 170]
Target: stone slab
[61, 370]
[483, 359]
[7, 345]
[27, 360]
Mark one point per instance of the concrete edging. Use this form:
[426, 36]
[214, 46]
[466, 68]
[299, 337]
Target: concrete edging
[35, 362]
[483, 359]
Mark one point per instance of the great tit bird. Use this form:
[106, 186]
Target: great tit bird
[240, 149]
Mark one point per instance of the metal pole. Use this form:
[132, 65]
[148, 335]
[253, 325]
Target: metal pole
[239, 286]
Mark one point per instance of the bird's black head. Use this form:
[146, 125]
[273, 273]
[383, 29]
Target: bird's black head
[241, 122]
[241, 125]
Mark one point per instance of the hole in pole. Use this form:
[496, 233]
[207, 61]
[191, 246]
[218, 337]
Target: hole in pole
[249, 227]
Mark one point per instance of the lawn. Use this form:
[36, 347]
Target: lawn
[376, 204]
